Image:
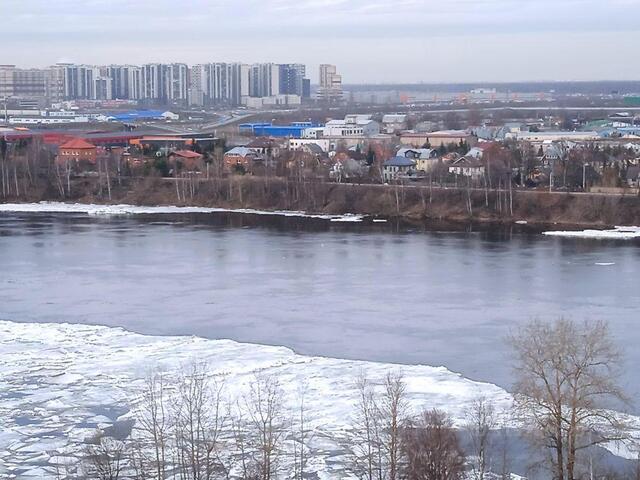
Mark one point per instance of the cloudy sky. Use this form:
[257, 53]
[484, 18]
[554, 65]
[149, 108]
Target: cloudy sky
[371, 41]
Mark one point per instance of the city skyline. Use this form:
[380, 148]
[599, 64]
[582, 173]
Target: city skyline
[414, 41]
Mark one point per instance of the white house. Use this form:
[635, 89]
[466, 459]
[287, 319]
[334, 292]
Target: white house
[352, 126]
[468, 167]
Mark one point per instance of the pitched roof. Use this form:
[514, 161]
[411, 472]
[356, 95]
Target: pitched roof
[187, 154]
[467, 162]
[77, 144]
[263, 142]
[399, 162]
[242, 152]
[422, 153]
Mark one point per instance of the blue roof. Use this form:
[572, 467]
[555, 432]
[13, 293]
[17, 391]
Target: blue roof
[136, 115]
[399, 162]
[294, 130]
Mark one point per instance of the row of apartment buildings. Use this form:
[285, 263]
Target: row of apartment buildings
[176, 83]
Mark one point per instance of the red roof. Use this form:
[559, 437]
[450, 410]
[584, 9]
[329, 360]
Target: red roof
[186, 154]
[77, 144]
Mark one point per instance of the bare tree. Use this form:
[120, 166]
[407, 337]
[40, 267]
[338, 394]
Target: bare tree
[153, 420]
[105, 460]
[567, 378]
[265, 409]
[199, 420]
[432, 448]
[481, 420]
[300, 434]
[367, 447]
[393, 416]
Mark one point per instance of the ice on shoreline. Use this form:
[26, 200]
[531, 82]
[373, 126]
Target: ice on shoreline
[124, 209]
[58, 382]
[617, 233]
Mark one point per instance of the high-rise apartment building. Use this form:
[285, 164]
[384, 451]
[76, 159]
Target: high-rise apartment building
[292, 79]
[177, 82]
[330, 84]
[219, 83]
[6, 80]
[206, 84]
[126, 82]
[264, 80]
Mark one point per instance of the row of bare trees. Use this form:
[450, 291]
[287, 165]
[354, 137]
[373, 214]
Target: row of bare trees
[564, 398]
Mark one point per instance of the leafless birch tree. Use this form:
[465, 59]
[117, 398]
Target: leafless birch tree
[567, 381]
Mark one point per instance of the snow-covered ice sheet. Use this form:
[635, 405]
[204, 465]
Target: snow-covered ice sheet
[123, 209]
[60, 382]
[617, 233]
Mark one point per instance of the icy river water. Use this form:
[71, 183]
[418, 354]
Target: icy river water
[364, 291]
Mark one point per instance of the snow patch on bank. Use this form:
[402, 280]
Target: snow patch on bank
[617, 233]
[124, 209]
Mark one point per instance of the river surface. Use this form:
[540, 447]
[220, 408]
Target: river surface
[383, 292]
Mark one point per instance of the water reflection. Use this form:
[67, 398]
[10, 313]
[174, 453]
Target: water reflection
[396, 291]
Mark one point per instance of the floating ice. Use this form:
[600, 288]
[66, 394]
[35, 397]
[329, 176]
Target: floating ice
[60, 382]
[64, 381]
[617, 233]
[123, 209]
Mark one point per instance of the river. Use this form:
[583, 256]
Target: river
[382, 292]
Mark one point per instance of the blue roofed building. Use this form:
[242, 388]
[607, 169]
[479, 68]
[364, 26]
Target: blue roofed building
[293, 130]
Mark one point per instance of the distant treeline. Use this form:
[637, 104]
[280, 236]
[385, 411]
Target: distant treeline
[562, 88]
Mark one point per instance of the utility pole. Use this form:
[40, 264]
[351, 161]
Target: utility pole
[584, 177]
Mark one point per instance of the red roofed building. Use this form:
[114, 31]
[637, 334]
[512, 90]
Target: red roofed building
[77, 150]
[188, 159]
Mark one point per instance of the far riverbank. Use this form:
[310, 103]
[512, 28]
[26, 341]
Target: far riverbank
[411, 202]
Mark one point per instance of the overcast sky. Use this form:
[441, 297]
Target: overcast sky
[371, 41]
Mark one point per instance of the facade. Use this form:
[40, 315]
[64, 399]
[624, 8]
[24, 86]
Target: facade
[437, 139]
[186, 159]
[292, 80]
[77, 151]
[397, 167]
[550, 136]
[40, 85]
[352, 126]
[425, 158]
[203, 85]
[242, 157]
[393, 123]
[264, 80]
[467, 167]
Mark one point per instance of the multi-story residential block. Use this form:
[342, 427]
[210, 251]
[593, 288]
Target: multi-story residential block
[177, 82]
[330, 84]
[126, 82]
[292, 79]
[153, 82]
[219, 83]
[264, 80]
[205, 84]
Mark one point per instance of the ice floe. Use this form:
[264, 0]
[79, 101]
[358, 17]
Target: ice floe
[60, 382]
[617, 233]
[124, 209]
